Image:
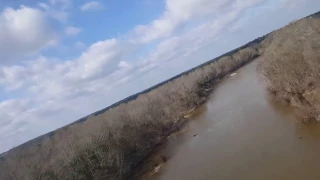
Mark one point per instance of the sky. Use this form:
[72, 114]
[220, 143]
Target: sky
[61, 60]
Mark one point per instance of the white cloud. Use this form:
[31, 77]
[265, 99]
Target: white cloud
[58, 85]
[10, 111]
[72, 31]
[59, 1]
[179, 12]
[63, 3]
[57, 9]
[79, 45]
[102, 56]
[186, 43]
[93, 5]
[43, 5]
[25, 30]
[60, 79]
[61, 16]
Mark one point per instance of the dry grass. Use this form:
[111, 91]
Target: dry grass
[110, 145]
[292, 66]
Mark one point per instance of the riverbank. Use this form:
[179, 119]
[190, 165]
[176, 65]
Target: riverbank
[158, 158]
[150, 165]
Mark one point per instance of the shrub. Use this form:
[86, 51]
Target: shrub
[291, 66]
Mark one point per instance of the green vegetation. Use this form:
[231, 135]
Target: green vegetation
[292, 66]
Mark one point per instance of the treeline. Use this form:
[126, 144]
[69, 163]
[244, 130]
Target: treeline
[292, 66]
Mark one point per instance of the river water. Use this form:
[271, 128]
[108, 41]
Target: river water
[241, 134]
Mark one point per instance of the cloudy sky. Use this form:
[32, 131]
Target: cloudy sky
[63, 59]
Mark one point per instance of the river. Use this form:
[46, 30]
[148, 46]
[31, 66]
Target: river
[241, 134]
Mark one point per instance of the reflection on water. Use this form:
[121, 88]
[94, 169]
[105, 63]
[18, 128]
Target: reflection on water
[241, 134]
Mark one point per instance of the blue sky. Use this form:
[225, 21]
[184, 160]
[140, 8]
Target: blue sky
[63, 59]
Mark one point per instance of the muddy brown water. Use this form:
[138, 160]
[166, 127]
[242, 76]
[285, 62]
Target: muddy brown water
[241, 134]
